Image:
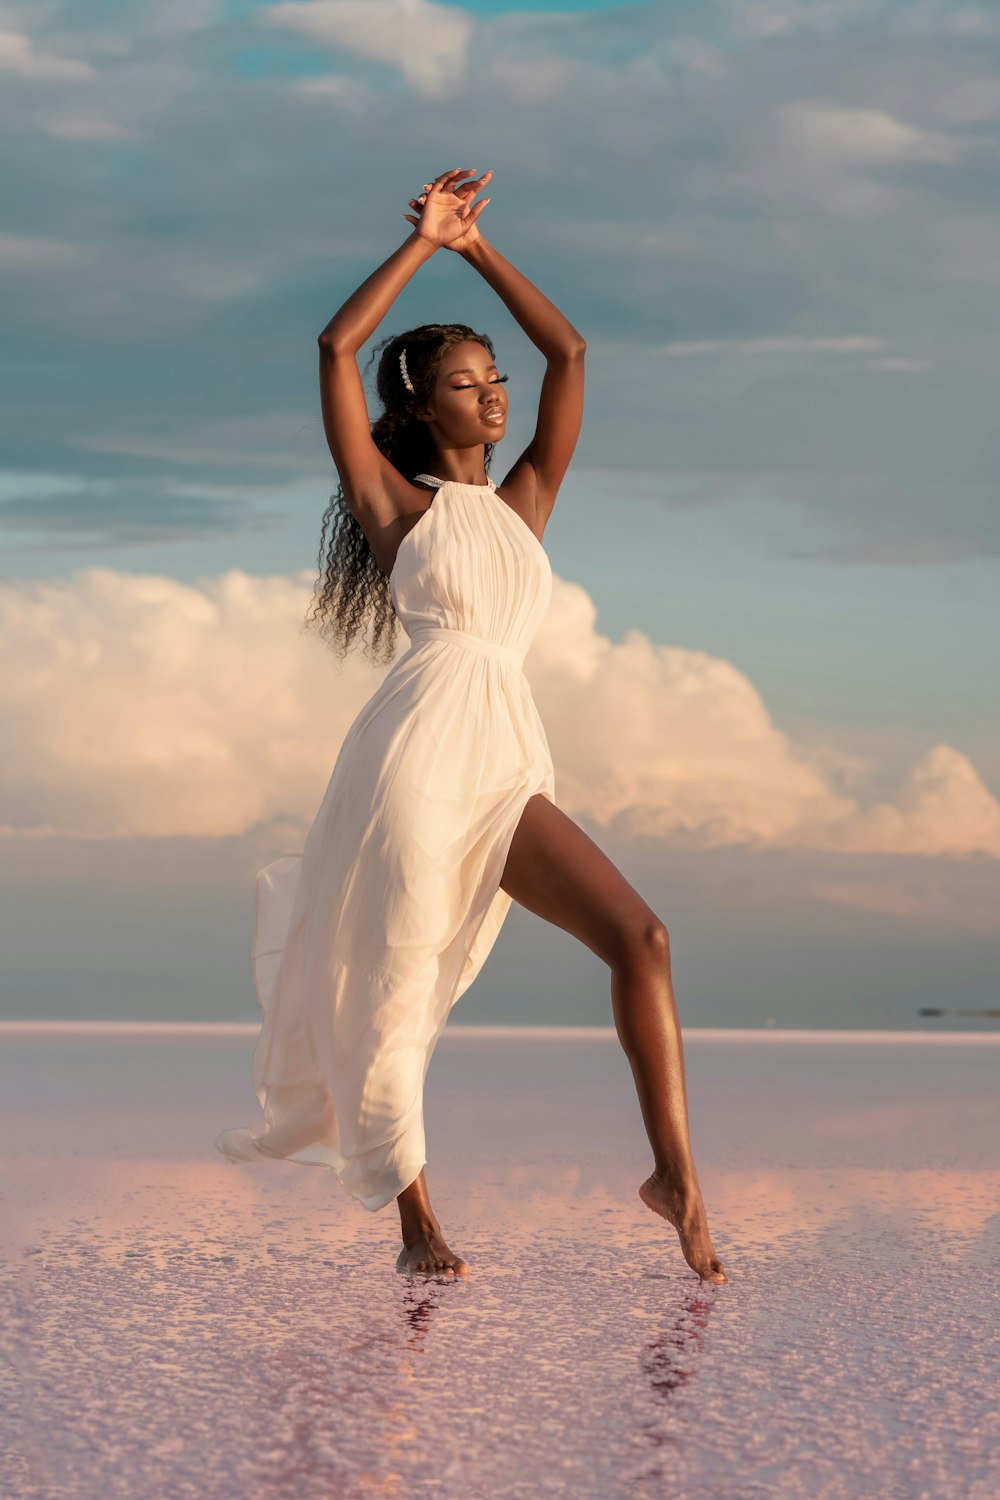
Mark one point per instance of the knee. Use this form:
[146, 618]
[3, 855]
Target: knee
[646, 942]
[655, 938]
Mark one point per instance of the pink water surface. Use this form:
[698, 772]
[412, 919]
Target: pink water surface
[174, 1325]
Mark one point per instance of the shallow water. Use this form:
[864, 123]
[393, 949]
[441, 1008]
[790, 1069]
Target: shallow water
[174, 1325]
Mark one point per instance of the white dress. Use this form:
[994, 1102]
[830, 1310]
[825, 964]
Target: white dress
[364, 941]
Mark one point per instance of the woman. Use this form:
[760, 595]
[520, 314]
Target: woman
[440, 809]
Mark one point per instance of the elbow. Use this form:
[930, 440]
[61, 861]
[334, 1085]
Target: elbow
[329, 344]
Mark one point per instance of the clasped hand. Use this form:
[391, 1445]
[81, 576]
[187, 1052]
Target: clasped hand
[447, 216]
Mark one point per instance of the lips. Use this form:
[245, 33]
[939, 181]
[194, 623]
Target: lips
[494, 416]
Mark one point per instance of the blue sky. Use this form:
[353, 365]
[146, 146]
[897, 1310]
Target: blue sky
[773, 222]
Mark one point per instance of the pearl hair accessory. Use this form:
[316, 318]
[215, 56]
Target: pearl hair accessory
[402, 370]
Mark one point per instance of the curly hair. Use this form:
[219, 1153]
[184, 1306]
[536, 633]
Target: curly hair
[351, 587]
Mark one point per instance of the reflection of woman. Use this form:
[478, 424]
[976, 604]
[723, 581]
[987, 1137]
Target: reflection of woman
[440, 809]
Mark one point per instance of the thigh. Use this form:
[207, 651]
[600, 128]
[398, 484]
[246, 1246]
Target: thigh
[556, 870]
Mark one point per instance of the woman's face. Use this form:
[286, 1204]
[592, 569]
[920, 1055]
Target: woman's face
[469, 404]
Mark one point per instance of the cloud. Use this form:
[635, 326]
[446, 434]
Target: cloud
[77, 127]
[134, 705]
[623, 238]
[334, 89]
[901, 363]
[778, 344]
[95, 514]
[428, 44]
[943, 808]
[968, 100]
[699, 57]
[21, 56]
[749, 179]
[23, 252]
[861, 135]
[963, 250]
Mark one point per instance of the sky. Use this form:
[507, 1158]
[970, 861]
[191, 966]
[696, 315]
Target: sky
[776, 552]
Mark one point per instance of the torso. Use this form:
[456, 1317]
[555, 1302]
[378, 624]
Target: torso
[425, 488]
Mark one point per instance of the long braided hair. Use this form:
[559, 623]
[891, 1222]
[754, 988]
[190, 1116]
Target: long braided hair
[351, 587]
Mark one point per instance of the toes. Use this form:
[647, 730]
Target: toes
[428, 1266]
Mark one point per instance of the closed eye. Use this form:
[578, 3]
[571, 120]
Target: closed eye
[468, 386]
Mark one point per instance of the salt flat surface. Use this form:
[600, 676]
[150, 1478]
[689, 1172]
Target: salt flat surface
[173, 1325]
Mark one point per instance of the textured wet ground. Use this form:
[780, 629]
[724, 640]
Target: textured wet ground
[174, 1325]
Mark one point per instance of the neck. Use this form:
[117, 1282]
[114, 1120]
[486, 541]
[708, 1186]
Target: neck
[461, 465]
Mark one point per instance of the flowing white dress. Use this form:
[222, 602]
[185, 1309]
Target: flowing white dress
[364, 941]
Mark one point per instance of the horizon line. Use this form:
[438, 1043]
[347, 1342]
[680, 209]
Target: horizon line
[248, 1029]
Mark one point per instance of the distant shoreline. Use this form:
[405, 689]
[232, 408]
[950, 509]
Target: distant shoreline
[205, 1030]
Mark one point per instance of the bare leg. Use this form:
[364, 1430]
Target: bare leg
[649, 1031]
[556, 871]
[424, 1248]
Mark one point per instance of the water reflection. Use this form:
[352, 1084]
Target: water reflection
[671, 1359]
[237, 1332]
[419, 1304]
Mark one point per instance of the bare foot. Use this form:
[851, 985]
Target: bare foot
[427, 1252]
[687, 1214]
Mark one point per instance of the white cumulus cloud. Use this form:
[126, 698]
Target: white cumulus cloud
[136, 705]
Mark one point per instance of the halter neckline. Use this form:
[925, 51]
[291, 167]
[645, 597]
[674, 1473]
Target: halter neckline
[489, 485]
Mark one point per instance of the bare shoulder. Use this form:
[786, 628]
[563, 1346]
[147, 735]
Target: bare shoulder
[387, 510]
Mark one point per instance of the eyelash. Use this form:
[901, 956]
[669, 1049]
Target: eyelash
[499, 381]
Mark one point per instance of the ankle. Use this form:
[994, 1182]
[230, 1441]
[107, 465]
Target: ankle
[417, 1226]
[683, 1187]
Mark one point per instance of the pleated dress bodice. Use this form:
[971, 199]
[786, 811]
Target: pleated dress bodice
[471, 564]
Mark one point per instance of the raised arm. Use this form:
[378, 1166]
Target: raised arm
[538, 473]
[368, 477]
[373, 488]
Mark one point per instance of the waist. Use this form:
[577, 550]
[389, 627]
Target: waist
[421, 634]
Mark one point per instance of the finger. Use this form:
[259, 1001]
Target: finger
[454, 172]
[448, 183]
[470, 189]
